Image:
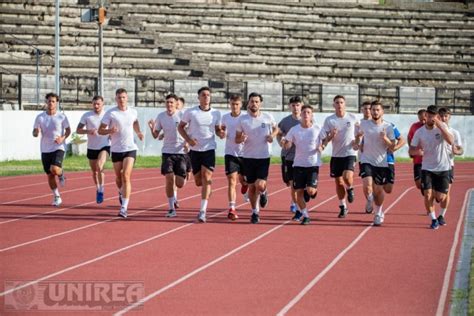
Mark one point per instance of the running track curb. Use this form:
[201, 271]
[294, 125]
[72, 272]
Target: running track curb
[459, 295]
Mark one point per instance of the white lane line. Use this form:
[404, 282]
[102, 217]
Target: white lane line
[110, 253]
[313, 282]
[211, 263]
[449, 267]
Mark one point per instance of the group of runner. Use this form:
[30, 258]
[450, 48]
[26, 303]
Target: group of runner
[189, 144]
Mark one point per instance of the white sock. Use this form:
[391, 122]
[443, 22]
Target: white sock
[56, 192]
[342, 202]
[203, 205]
[171, 203]
[305, 212]
[433, 215]
[443, 212]
[255, 210]
[175, 195]
[101, 188]
[232, 205]
[378, 210]
[370, 197]
[293, 204]
[125, 203]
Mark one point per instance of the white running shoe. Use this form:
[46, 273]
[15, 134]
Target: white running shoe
[378, 219]
[171, 213]
[202, 216]
[62, 180]
[369, 206]
[123, 212]
[57, 201]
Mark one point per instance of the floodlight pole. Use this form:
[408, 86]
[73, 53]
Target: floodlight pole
[56, 50]
[101, 20]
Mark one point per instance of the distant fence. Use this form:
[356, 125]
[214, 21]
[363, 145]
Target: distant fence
[25, 93]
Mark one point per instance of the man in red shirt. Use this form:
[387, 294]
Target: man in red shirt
[417, 160]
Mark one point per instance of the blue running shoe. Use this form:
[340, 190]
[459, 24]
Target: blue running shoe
[99, 197]
[434, 224]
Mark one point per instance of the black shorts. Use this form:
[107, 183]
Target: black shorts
[451, 175]
[417, 171]
[93, 154]
[173, 163]
[256, 169]
[436, 180]
[202, 158]
[54, 158]
[189, 168]
[391, 175]
[286, 170]
[340, 164]
[116, 157]
[380, 175]
[233, 164]
[305, 177]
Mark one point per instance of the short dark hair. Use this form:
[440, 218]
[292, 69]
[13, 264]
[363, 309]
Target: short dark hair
[375, 103]
[182, 100]
[52, 95]
[98, 97]
[203, 89]
[432, 109]
[120, 91]
[296, 99]
[255, 94]
[307, 106]
[443, 111]
[338, 97]
[235, 97]
[172, 95]
[421, 111]
[366, 103]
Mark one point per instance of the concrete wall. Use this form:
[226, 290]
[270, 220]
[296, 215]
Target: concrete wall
[17, 142]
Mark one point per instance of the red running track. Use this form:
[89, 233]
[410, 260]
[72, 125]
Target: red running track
[331, 267]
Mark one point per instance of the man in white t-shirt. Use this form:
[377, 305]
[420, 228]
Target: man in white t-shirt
[199, 126]
[378, 138]
[54, 129]
[431, 141]
[173, 162]
[233, 154]
[98, 146]
[307, 138]
[256, 130]
[340, 129]
[120, 122]
[455, 149]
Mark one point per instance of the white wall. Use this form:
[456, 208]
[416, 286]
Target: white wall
[17, 142]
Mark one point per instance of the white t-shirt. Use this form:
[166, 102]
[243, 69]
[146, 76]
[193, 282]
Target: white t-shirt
[51, 126]
[202, 127]
[375, 149]
[345, 126]
[173, 143]
[256, 129]
[231, 147]
[307, 142]
[457, 142]
[122, 140]
[91, 120]
[435, 155]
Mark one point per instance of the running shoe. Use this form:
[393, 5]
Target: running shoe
[263, 199]
[378, 220]
[434, 224]
[176, 204]
[297, 216]
[342, 211]
[350, 195]
[441, 220]
[62, 180]
[123, 212]
[171, 213]
[99, 197]
[306, 196]
[120, 198]
[202, 217]
[232, 215]
[293, 208]
[57, 201]
[305, 221]
[255, 218]
[369, 207]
